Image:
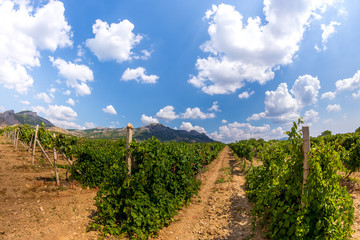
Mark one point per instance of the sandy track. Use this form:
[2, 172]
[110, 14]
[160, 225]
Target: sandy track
[222, 211]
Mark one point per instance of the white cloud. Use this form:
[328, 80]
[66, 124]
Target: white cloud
[80, 51]
[224, 121]
[67, 92]
[110, 109]
[306, 89]
[71, 102]
[245, 94]
[89, 125]
[61, 116]
[356, 95]
[328, 31]
[76, 75]
[215, 107]
[349, 83]
[114, 42]
[195, 113]
[188, 127]
[139, 75]
[44, 96]
[333, 108]
[311, 116]
[167, 113]
[26, 31]
[14, 76]
[329, 95]
[146, 120]
[239, 131]
[282, 107]
[25, 102]
[251, 50]
[2, 108]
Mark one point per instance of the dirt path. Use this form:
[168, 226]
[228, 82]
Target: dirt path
[222, 211]
[353, 187]
[32, 207]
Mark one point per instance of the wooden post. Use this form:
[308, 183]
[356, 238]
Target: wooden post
[31, 140]
[306, 149]
[129, 133]
[35, 138]
[15, 132]
[55, 159]
[17, 139]
[44, 153]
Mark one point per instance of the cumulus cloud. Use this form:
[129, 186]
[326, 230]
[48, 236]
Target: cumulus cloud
[146, 120]
[167, 113]
[26, 31]
[71, 102]
[76, 75]
[328, 31]
[25, 102]
[280, 106]
[333, 108]
[89, 125]
[329, 95]
[215, 107]
[67, 92]
[188, 127]
[110, 110]
[245, 94]
[249, 50]
[356, 95]
[114, 42]
[224, 121]
[44, 96]
[139, 75]
[349, 83]
[311, 116]
[283, 106]
[61, 116]
[15, 76]
[235, 131]
[195, 113]
[306, 89]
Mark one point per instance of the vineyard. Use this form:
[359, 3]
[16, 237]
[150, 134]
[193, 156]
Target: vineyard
[165, 178]
[162, 181]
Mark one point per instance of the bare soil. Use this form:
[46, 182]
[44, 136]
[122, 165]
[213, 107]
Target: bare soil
[221, 211]
[32, 206]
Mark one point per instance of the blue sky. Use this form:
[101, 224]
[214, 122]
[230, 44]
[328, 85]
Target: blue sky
[231, 69]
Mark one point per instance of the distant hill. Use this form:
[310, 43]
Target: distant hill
[10, 118]
[161, 132]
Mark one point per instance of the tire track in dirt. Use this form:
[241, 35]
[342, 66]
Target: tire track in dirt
[223, 210]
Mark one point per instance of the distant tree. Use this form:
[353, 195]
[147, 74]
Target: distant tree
[326, 133]
[357, 130]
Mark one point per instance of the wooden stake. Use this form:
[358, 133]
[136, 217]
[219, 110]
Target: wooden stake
[306, 149]
[31, 140]
[14, 140]
[17, 139]
[35, 138]
[129, 133]
[43, 151]
[55, 167]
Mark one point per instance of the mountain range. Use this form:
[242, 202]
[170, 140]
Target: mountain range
[161, 132]
[10, 118]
